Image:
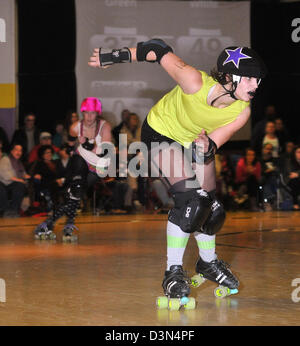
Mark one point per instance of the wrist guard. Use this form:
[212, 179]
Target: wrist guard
[199, 157]
[69, 148]
[114, 56]
[87, 145]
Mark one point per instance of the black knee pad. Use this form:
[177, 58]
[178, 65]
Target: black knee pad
[215, 220]
[191, 210]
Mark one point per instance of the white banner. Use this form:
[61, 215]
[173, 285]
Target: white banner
[197, 32]
[7, 41]
[7, 66]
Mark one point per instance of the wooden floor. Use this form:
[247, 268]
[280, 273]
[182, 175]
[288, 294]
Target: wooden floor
[113, 275]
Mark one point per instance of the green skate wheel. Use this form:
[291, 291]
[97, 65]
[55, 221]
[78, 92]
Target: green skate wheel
[162, 302]
[174, 304]
[191, 304]
[43, 237]
[52, 236]
[197, 280]
[221, 292]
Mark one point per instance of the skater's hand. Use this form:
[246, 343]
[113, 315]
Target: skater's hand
[95, 60]
[202, 140]
[37, 176]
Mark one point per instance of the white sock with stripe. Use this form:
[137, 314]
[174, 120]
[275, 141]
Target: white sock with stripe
[207, 246]
[176, 243]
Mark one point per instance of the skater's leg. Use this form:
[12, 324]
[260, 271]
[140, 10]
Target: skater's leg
[185, 190]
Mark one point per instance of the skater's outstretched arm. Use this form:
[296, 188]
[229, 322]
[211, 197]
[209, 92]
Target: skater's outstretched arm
[186, 76]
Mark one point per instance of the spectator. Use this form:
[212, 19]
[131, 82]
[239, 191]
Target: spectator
[224, 179]
[4, 140]
[63, 162]
[270, 171]
[281, 132]
[258, 131]
[45, 139]
[294, 177]
[131, 128]
[248, 175]
[270, 137]
[46, 179]
[116, 130]
[12, 182]
[71, 118]
[286, 156]
[60, 136]
[27, 136]
[2, 152]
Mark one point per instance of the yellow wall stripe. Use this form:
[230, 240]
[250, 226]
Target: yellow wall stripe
[7, 95]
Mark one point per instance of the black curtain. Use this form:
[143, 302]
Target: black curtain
[46, 59]
[271, 36]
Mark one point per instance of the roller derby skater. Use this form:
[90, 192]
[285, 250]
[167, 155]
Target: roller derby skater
[86, 163]
[200, 114]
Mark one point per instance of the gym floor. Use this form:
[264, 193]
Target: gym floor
[113, 274]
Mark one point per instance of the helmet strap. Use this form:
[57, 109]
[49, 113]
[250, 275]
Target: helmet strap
[229, 92]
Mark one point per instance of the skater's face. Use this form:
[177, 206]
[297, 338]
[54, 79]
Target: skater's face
[246, 89]
[89, 118]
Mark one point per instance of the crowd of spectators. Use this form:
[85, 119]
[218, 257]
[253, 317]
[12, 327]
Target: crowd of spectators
[34, 166]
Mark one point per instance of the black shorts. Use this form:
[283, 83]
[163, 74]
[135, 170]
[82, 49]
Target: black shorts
[148, 135]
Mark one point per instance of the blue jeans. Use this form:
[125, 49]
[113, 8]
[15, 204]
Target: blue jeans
[11, 196]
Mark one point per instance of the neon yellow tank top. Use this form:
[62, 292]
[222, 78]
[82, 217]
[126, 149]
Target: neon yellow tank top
[181, 117]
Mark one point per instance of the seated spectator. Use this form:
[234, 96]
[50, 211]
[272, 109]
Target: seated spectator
[12, 182]
[4, 140]
[45, 139]
[60, 136]
[258, 131]
[224, 179]
[27, 136]
[270, 137]
[2, 152]
[63, 162]
[46, 179]
[281, 132]
[286, 155]
[247, 177]
[293, 181]
[132, 130]
[270, 171]
[116, 130]
[71, 118]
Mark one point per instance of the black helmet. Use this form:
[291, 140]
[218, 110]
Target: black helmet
[241, 61]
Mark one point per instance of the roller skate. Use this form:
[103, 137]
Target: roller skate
[217, 271]
[68, 236]
[176, 285]
[44, 231]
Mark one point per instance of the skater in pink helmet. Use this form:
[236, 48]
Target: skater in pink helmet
[86, 159]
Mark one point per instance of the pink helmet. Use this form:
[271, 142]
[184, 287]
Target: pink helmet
[91, 104]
